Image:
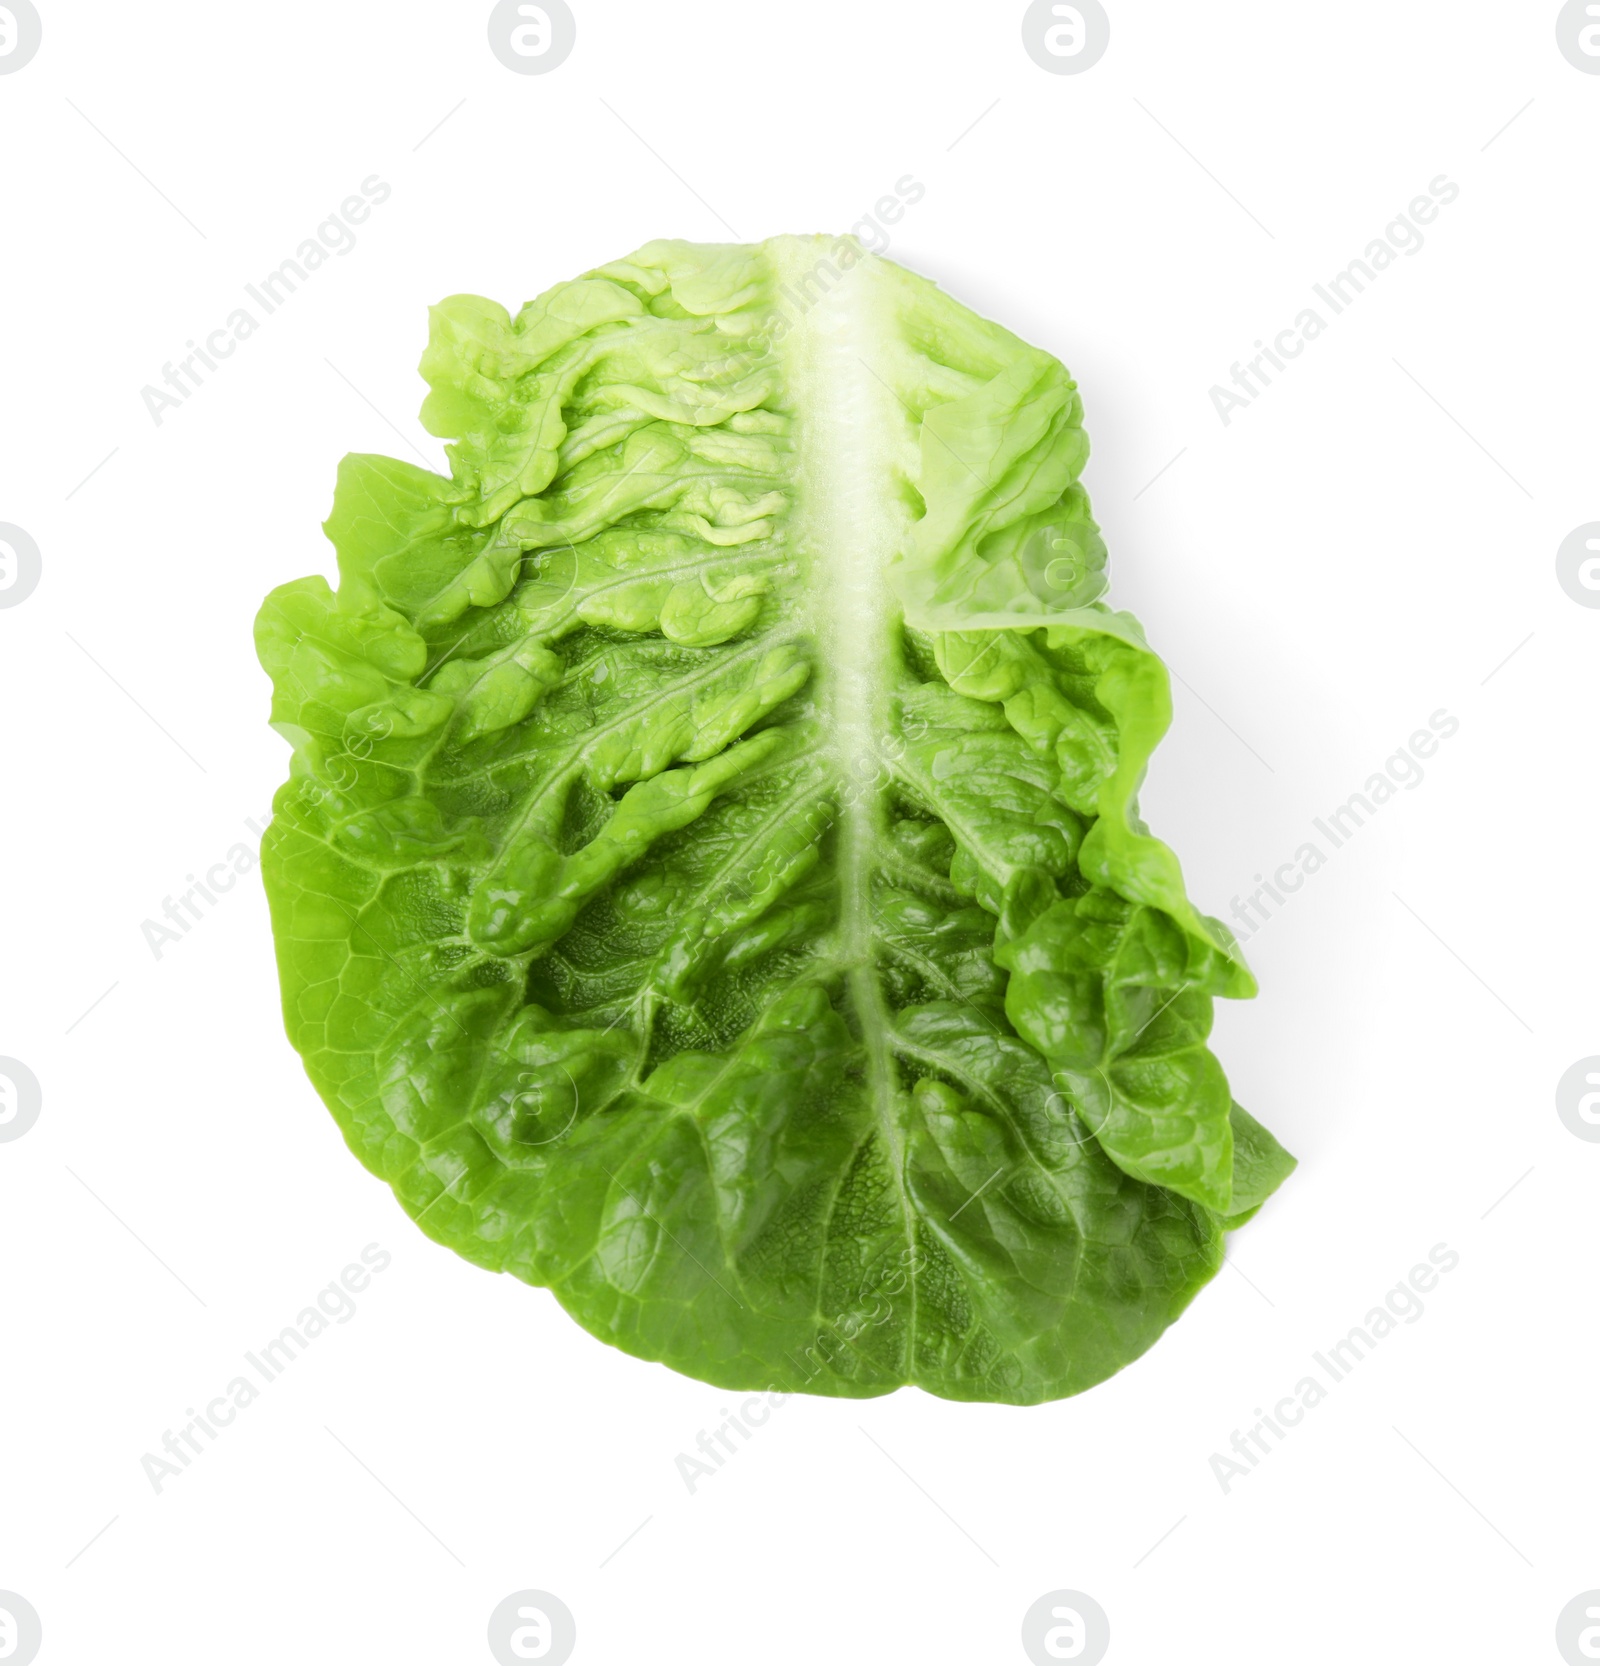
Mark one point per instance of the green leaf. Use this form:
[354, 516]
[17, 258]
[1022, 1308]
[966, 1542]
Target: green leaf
[710, 883]
[1260, 1167]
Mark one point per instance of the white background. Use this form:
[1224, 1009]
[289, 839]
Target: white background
[1363, 546]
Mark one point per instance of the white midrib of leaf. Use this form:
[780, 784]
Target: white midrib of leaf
[849, 523]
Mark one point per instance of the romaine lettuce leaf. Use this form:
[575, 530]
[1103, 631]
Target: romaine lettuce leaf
[709, 881]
